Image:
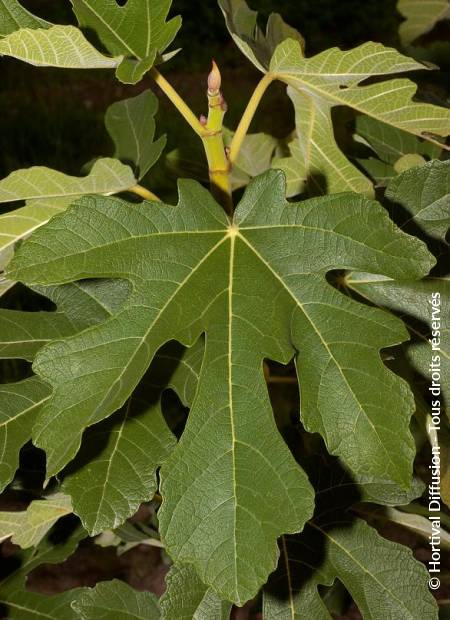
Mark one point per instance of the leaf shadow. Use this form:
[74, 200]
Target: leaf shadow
[303, 555]
[148, 393]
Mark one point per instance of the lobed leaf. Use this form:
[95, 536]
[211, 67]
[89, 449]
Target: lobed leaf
[55, 46]
[115, 600]
[131, 125]
[137, 31]
[193, 272]
[243, 26]
[334, 78]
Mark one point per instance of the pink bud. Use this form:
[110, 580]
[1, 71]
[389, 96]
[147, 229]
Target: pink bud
[203, 120]
[214, 80]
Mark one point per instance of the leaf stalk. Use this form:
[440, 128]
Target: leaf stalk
[248, 115]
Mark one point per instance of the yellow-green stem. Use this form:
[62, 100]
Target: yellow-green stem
[178, 102]
[248, 115]
[144, 193]
[218, 163]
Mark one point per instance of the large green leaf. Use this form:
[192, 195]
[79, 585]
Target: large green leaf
[115, 600]
[14, 16]
[187, 598]
[138, 31]
[378, 574]
[131, 125]
[27, 528]
[421, 16]
[55, 46]
[194, 272]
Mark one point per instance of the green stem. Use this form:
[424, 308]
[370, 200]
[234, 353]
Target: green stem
[218, 163]
[178, 102]
[248, 115]
[144, 193]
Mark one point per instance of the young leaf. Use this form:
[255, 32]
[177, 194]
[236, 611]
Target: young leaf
[187, 597]
[336, 545]
[138, 31]
[243, 27]
[421, 16]
[55, 46]
[190, 269]
[131, 125]
[14, 16]
[29, 527]
[115, 600]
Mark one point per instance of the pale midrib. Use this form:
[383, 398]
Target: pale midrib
[230, 399]
[296, 82]
[361, 566]
[144, 337]
[113, 32]
[110, 462]
[28, 610]
[24, 412]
